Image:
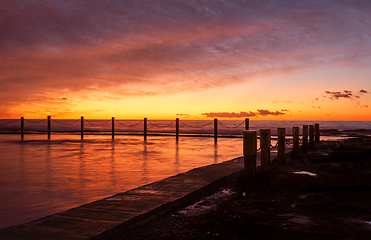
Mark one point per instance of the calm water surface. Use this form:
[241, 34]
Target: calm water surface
[40, 177]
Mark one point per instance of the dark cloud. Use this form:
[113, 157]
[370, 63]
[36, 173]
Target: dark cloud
[337, 95]
[267, 112]
[260, 112]
[362, 91]
[345, 94]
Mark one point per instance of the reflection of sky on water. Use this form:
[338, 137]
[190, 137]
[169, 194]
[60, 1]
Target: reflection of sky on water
[40, 177]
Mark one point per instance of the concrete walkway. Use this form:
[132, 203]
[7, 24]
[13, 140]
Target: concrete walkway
[100, 219]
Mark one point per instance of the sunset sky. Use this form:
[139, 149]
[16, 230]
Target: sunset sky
[192, 59]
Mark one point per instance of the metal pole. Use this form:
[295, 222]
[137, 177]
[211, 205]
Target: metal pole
[82, 127]
[215, 128]
[113, 128]
[265, 144]
[247, 124]
[177, 128]
[22, 128]
[145, 128]
[49, 127]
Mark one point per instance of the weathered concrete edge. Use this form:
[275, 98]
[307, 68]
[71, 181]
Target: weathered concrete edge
[145, 217]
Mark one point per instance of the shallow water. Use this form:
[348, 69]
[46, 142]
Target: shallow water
[40, 177]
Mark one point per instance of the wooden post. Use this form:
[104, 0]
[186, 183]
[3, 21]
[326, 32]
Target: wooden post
[113, 128]
[265, 146]
[295, 140]
[82, 127]
[22, 128]
[311, 136]
[49, 127]
[316, 133]
[177, 128]
[215, 128]
[145, 128]
[249, 153]
[281, 133]
[305, 139]
[247, 124]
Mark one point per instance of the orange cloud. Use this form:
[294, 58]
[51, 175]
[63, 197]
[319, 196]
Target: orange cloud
[260, 112]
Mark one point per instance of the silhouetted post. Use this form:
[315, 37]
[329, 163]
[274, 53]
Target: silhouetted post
[22, 128]
[305, 139]
[247, 124]
[249, 153]
[295, 140]
[281, 133]
[177, 128]
[265, 144]
[49, 127]
[145, 128]
[316, 133]
[311, 136]
[113, 127]
[82, 127]
[215, 128]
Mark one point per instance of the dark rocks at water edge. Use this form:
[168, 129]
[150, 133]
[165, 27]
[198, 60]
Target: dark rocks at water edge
[323, 195]
[353, 132]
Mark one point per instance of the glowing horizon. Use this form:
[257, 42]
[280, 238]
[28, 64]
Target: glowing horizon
[274, 60]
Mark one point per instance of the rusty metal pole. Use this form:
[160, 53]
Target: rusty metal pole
[305, 139]
[22, 128]
[295, 140]
[177, 128]
[49, 126]
[82, 127]
[265, 144]
[215, 129]
[281, 133]
[247, 124]
[311, 136]
[249, 153]
[316, 133]
[113, 128]
[145, 128]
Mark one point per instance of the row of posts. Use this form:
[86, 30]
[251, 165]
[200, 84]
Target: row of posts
[145, 127]
[250, 146]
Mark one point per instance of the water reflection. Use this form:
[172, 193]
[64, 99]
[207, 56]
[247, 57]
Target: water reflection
[144, 163]
[215, 152]
[41, 177]
[82, 165]
[113, 165]
[176, 166]
[48, 165]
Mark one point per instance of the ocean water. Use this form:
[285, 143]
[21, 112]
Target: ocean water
[39, 177]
